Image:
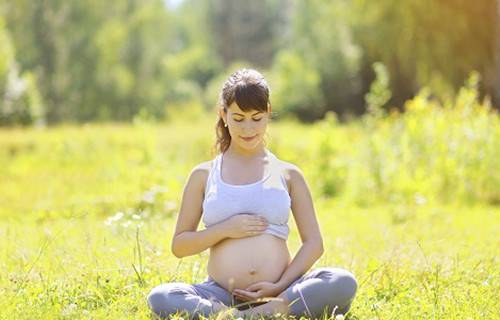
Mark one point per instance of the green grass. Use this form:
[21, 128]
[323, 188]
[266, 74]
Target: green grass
[408, 203]
[440, 263]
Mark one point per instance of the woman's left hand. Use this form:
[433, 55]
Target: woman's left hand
[262, 289]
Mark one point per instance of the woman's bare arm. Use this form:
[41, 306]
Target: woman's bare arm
[308, 227]
[186, 240]
[192, 242]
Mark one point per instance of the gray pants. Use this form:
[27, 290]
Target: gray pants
[321, 290]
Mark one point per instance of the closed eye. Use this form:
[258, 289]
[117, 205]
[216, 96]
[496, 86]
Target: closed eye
[252, 119]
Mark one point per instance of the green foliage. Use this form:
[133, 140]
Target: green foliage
[431, 153]
[321, 35]
[296, 87]
[379, 93]
[195, 64]
[188, 74]
[101, 61]
[427, 42]
[94, 61]
[6, 53]
[247, 30]
[20, 100]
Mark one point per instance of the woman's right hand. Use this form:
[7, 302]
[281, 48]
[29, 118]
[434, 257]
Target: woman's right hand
[244, 225]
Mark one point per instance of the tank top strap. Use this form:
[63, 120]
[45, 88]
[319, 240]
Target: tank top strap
[275, 161]
[212, 173]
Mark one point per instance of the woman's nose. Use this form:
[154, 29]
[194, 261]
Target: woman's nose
[249, 126]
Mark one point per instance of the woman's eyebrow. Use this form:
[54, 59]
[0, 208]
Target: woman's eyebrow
[239, 114]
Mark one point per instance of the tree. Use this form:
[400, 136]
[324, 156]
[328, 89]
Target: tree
[247, 30]
[496, 81]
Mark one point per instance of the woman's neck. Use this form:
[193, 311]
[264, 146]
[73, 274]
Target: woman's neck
[258, 151]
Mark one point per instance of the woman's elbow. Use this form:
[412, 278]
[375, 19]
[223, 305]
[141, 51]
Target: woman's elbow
[318, 246]
[176, 254]
[175, 250]
[321, 250]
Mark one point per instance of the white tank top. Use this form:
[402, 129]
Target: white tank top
[268, 197]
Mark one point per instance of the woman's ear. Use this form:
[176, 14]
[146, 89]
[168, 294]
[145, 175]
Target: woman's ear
[222, 114]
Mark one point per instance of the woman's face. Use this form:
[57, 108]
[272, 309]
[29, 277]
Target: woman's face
[241, 125]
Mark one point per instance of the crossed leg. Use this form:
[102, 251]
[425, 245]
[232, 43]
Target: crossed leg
[320, 290]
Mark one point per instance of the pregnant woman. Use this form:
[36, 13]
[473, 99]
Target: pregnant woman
[244, 197]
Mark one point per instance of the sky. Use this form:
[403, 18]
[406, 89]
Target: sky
[173, 3]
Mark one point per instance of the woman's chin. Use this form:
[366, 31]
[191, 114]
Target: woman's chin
[250, 145]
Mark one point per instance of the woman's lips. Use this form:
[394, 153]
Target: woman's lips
[248, 139]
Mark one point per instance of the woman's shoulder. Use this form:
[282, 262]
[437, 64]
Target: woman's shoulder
[288, 168]
[203, 168]
[199, 173]
[290, 171]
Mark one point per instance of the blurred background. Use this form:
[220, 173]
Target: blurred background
[86, 61]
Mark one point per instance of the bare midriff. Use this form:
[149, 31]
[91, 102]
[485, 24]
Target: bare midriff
[238, 263]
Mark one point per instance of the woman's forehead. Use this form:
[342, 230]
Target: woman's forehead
[234, 108]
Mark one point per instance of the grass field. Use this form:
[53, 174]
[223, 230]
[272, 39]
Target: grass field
[408, 203]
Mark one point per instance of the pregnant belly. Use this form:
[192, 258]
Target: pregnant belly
[237, 263]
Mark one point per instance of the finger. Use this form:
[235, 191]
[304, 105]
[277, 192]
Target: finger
[256, 286]
[249, 294]
[257, 223]
[263, 224]
[259, 218]
[263, 219]
[243, 298]
[255, 229]
[252, 288]
[240, 296]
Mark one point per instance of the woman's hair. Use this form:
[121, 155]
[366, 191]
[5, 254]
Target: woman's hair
[249, 89]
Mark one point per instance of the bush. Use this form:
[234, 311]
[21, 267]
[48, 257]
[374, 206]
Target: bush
[296, 87]
[20, 100]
